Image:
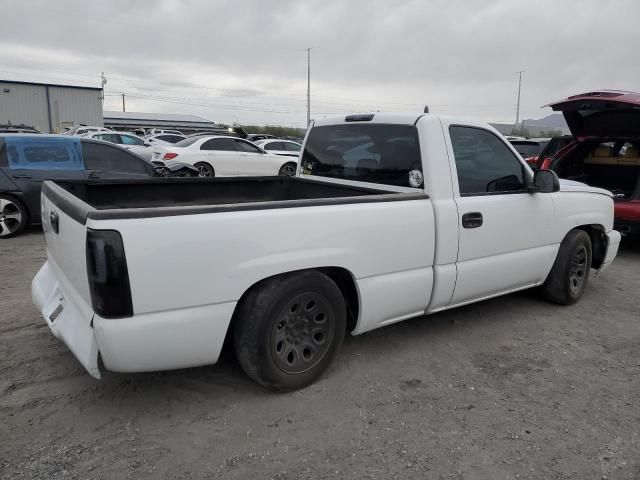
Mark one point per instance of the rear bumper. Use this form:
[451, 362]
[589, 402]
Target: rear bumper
[167, 340]
[627, 217]
[628, 228]
[67, 315]
[613, 242]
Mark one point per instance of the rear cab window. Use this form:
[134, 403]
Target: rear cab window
[44, 153]
[376, 153]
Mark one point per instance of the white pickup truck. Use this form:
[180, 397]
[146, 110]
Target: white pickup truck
[389, 217]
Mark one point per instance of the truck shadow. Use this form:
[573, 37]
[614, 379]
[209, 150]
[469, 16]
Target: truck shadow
[508, 317]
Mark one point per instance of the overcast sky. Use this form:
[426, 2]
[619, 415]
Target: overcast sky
[245, 61]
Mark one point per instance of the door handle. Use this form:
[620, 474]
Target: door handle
[472, 220]
[55, 222]
[21, 176]
[94, 175]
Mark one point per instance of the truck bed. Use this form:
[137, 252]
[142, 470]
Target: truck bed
[120, 199]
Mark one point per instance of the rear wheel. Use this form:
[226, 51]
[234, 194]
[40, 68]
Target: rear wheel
[288, 169]
[570, 272]
[13, 216]
[205, 170]
[289, 328]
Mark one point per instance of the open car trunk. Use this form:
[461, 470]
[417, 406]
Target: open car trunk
[612, 165]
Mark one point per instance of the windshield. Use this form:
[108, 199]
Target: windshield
[376, 153]
[529, 149]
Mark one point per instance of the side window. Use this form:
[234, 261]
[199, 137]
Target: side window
[107, 137]
[225, 144]
[484, 163]
[292, 147]
[129, 140]
[110, 159]
[274, 146]
[42, 154]
[242, 146]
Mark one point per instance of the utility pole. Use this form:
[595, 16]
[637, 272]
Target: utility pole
[123, 109]
[103, 80]
[308, 86]
[519, 87]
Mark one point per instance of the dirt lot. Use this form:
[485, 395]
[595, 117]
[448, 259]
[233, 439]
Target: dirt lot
[508, 388]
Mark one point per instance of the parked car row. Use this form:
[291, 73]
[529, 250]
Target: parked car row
[221, 156]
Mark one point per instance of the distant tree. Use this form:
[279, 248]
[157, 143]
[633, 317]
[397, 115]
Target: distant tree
[549, 133]
[520, 132]
[275, 130]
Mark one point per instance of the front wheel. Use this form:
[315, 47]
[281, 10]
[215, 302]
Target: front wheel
[205, 170]
[13, 216]
[289, 328]
[288, 169]
[568, 277]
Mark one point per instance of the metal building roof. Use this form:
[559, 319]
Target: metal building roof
[42, 84]
[163, 118]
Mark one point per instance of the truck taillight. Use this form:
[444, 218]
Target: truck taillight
[108, 275]
[169, 156]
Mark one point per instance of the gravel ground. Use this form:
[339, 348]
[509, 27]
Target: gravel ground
[507, 388]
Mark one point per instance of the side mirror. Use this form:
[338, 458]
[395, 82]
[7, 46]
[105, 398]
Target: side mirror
[147, 144]
[544, 181]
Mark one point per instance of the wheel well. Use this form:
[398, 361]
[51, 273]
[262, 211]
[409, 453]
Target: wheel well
[347, 285]
[343, 279]
[598, 238]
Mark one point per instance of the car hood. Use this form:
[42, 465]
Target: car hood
[602, 114]
[573, 186]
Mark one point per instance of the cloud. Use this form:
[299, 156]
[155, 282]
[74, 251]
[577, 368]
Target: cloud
[458, 57]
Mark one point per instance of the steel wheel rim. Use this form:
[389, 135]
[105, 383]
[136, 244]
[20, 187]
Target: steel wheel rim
[303, 333]
[288, 170]
[10, 217]
[578, 270]
[204, 171]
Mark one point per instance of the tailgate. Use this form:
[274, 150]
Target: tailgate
[61, 289]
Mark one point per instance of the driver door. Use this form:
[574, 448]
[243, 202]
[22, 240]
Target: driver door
[505, 239]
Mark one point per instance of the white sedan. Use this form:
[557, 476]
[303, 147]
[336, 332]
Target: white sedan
[280, 147]
[220, 156]
[129, 141]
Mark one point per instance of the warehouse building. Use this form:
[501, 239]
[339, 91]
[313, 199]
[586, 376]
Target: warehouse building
[133, 121]
[49, 107]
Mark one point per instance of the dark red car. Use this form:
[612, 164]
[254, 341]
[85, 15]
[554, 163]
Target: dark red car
[605, 150]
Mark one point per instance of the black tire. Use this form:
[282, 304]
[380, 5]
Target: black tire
[14, 216]
[288, 169]
[570, 272]
[285, 348]
[206, 170]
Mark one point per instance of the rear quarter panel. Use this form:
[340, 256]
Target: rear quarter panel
[194, 260]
